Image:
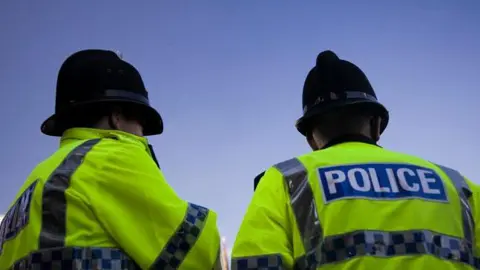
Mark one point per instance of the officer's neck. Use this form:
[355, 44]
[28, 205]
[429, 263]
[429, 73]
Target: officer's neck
[349, 138]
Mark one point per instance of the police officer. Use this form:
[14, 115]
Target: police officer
[352, 204]
[100, 201]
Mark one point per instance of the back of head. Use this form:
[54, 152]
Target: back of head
[343, 121]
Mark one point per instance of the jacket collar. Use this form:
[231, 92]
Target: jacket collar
[74, 134]
[350, 138]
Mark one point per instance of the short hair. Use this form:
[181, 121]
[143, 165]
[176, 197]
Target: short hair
[346, 120]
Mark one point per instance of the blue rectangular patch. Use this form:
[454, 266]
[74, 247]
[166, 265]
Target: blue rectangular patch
[381, 181]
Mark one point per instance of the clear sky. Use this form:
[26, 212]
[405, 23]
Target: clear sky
[227, 77]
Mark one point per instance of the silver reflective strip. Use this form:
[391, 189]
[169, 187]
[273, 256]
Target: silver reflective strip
[304, 207]
[180, 243]
[76, 258]
[273, 261]
[388, 244]
[54, 201]
[356, 94]
[464, 193]
[332, 96]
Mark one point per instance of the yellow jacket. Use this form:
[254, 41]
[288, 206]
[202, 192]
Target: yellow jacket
[101, 202]
[358, 206]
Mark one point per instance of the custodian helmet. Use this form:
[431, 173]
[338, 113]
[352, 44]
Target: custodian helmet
[334, 83]
[91, 78]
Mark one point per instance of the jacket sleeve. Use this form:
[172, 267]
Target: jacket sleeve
[147, 219]
[264, 238]
[475, 200]
[256, 180]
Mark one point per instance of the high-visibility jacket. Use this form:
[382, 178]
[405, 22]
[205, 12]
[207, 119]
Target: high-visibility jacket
[101, 202]
[358, 206]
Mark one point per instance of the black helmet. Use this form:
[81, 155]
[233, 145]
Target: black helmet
[94, 78]
[335, 83]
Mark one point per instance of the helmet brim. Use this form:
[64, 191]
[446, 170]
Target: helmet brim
[303, 124]
[151, 120]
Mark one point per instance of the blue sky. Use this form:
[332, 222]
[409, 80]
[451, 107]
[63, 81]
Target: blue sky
[227, 78]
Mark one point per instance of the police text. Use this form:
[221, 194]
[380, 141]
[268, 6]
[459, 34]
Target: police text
[381, 182]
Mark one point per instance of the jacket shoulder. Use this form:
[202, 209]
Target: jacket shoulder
[291, 168]
[109, 152]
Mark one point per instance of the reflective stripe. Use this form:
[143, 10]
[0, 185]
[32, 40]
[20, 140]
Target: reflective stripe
[183, 239]
[333, 96]
[54, 201]
[464, 193]
[304, 208]
[273, 262]
[387, 244]
[76, 258]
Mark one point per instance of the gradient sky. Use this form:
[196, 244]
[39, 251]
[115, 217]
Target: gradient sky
[227, 77]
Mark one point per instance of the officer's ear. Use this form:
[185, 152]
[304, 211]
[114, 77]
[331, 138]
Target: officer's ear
[115, 118]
